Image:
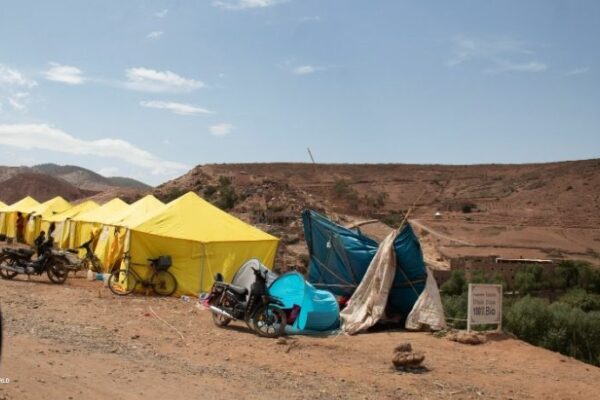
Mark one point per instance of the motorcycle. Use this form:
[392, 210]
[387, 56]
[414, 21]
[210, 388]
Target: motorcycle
[262, 313]
[18, 261]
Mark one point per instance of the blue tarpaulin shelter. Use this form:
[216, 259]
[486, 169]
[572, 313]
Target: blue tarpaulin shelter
[339, 258]
[318, 309]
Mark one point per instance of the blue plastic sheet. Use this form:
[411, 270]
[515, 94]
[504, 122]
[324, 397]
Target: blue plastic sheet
[319, 310]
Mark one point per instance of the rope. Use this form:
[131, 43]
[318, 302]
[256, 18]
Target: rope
[166, 323]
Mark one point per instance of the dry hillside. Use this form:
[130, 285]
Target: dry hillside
[46, 181]
[528, 210]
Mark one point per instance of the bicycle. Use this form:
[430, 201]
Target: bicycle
[123, 282]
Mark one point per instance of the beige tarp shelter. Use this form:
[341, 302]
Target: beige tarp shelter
[86, 225]
[62, 220]
[201, 240]
[110, 244]
[44, 210]
[368, 302]
[8, 219]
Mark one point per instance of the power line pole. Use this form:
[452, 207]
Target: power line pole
[311, 156]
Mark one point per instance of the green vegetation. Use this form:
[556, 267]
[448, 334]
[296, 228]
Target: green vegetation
[569, 325]
[344, 191]
[227, 196]
[173, 194]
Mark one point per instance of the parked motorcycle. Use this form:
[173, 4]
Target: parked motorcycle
[18, 261]
[262, 313]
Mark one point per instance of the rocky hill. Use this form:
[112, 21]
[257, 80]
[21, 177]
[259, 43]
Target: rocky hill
[529, 210]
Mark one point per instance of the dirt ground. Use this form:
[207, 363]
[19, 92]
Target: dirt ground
[78, 341]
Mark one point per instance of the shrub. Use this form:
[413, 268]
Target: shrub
[528, 279]
[173, 194]
[456, 285]
[341, 188]
[209, 191]
[581, 299]
[455, 308]
[529, 319]
[227, 195]
[567, 274]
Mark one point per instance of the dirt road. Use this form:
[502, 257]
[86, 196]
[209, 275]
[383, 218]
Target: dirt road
[78, 341]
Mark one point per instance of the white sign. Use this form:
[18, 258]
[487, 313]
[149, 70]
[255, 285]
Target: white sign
[485, 305]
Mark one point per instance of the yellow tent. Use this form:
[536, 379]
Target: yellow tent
[8, 220]
[201, 240]
[86, 225]
[109, 248]
[63, 219]
[44, 210]
[2, 207]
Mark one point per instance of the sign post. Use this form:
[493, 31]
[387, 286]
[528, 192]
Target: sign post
[485, 305]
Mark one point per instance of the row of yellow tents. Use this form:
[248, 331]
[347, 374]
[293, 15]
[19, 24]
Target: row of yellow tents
[200, 238]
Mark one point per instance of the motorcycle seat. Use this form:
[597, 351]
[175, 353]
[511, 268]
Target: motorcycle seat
[20, 252]
[26, 252]
[242, 291]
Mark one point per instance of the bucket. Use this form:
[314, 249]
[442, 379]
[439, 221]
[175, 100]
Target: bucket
[90, 275]
[99, 277]
[105, 279]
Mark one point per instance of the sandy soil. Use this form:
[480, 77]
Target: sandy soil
[78, 341]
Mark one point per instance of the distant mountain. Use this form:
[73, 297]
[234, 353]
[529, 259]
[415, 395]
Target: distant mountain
[41, 187]
[45, 181]
[85, 179]
[123, 182]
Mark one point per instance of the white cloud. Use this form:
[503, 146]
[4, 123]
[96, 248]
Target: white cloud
[221, 129]
[108, 171]
[466, 48]
[44, 137]
[507, 66]
[578, 71]
[499, 54]
[150, 80]
[65, 74]
[19, 101]
[304, 70]
[17, 104]
[177, 108]
[161, 14]
[246, 4]
[155, 34]
[12, 77]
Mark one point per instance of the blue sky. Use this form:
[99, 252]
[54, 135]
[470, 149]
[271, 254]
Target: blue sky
[149, 89]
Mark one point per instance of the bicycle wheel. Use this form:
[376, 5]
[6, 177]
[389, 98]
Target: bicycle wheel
[163, 283]
[122, 282]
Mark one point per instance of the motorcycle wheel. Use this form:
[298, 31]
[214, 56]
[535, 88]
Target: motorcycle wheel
[270, 321]
[122, 282]
[5, 274]
[218, 319]
[57, 273]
